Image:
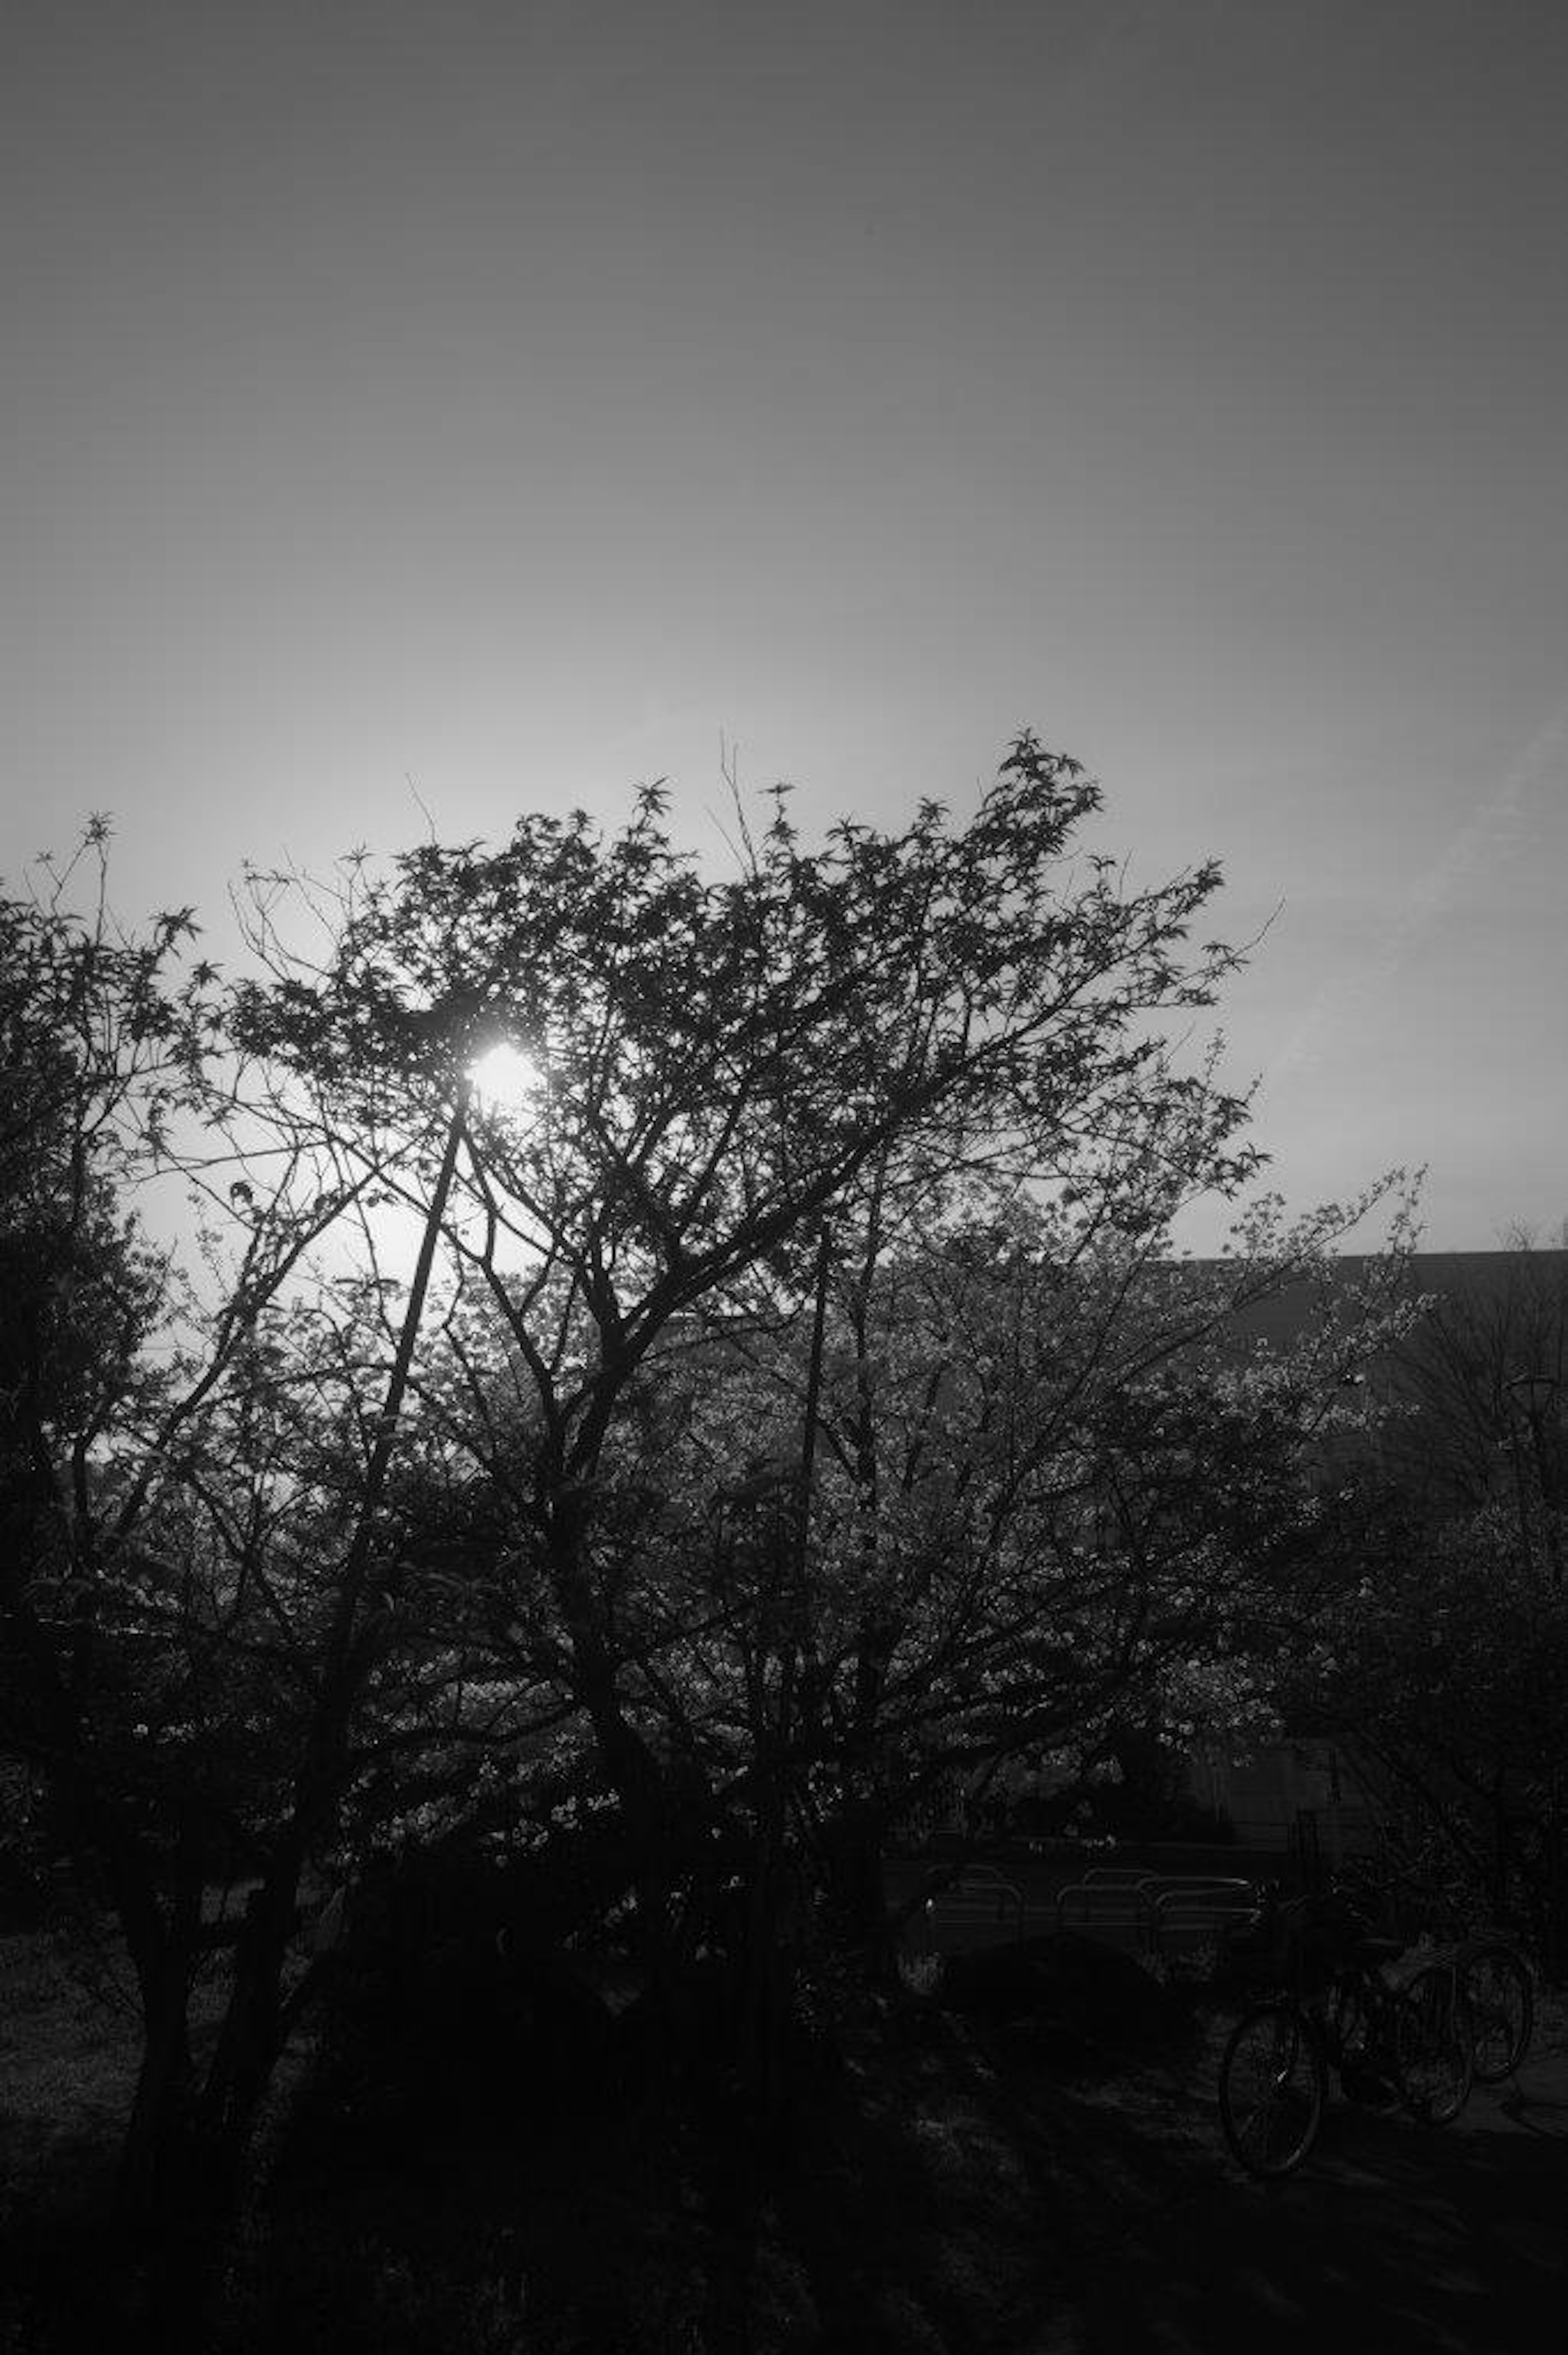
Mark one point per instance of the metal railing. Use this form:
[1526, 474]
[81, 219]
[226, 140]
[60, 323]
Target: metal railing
[977, 1897]
[1160, 1916]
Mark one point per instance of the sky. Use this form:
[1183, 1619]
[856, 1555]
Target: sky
[413, 414]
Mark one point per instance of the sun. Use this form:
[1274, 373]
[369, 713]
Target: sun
[501, 1078]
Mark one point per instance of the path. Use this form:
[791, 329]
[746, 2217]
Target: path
[1392, 2239]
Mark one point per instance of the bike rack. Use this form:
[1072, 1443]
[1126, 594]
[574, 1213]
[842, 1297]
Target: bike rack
[981, 1896]
[1156, 1913]
[1119, 1910]
[1191, 1913]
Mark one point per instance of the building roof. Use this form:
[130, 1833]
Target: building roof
[1492, 1286]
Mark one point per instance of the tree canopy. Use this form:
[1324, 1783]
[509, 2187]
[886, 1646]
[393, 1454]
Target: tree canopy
[786, 1395]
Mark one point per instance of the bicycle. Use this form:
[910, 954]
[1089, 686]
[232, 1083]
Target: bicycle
[1494, 1977]
[1333, 2007]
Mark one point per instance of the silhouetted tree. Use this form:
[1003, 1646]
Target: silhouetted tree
[191, 1468]
[754, 1095]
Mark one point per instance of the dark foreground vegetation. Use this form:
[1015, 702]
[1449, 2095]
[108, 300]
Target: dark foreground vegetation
[1022, 2156]
[652, 1384]
[464, 2152]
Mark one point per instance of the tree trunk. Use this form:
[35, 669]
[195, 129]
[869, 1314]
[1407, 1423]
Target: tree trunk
[648, 1805]
[252, 2033]
[157, 2155]
[734, 2196]
[857, 1896]
[172, 2225]
[765, 1975]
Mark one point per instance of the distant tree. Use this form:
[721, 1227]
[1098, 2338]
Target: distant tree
[1482, 1381]
[1441, 1652]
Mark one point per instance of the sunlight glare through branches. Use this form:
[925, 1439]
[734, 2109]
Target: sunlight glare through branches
[502, 1077]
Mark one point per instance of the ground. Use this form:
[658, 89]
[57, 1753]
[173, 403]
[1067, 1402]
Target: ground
[951, 2183]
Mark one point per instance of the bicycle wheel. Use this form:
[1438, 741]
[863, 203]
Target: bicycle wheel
[1433, 2051]
[1496, 1981]
[1272, 2084]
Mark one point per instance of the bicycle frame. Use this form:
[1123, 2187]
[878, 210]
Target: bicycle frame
[1361, 2019]
[1408, 2040]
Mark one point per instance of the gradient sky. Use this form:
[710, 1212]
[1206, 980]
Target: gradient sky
[519, 399]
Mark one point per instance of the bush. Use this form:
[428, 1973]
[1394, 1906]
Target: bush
[1084, 1993]
[454, 1988]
